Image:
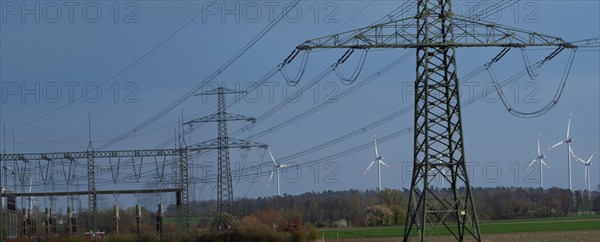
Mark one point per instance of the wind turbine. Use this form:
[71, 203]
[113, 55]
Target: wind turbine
[540, 158]
[277, 167]
[31, 200]
[444, 173]
[586, 170]
[441, 173]
[379, 160]
[567, 141]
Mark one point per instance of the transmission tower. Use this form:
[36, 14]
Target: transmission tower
[223, 143]
[435, 32]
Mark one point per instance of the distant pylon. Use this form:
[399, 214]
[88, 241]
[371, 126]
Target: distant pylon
[222, 144]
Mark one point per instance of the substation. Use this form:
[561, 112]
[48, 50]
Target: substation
[89, 174]
[63, 180]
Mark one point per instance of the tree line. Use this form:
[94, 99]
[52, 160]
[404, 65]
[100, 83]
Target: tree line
[388, 207]
[295, 216]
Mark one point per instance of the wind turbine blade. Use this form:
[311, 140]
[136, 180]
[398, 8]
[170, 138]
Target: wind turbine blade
[372, 162]
[272, 158]
[544, 163]
[271, 178]
[590, 159]
[539, 151]
[569, 126]
[530, 164]
[376, 150]
[554, 146]
[571, 152]
[381, 160]
[575, 156]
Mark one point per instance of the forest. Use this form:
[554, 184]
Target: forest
[388, 207]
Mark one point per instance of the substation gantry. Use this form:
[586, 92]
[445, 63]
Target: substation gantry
[180, 189]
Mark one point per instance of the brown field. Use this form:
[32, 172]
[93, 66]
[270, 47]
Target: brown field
[579, 235]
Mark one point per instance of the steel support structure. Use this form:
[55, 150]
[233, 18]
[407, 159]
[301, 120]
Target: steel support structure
[223, 143]
[90, 155]
[159, 222]
[138, 223]
[435, 32]
[438, 134]
[92, 202]
[84, 155]
[224, 184]
[183, 195]
[98, 192]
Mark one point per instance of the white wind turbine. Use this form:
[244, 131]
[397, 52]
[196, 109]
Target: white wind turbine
[586, 170]
[540, 158]
[443, 172]
[567, 141]
[31, 200]
[379, 160]
[277, 167]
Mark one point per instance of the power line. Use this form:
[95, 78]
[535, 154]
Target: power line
[377, 123]
[208, 79]
[271, 73]
[270, 112]
[118, 73]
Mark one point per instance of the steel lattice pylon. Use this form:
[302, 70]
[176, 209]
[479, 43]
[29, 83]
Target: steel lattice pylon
[92, 203]
[438, 134]
[222, 144]
[224, 186]
[435, 32]
[184, 182]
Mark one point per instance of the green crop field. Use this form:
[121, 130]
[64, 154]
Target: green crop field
[569, 223]
[591, 222]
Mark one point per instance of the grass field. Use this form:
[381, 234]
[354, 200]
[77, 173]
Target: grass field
[577, 228]
[573, 223]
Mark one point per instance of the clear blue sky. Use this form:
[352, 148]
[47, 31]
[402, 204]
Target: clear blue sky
[147, 52]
